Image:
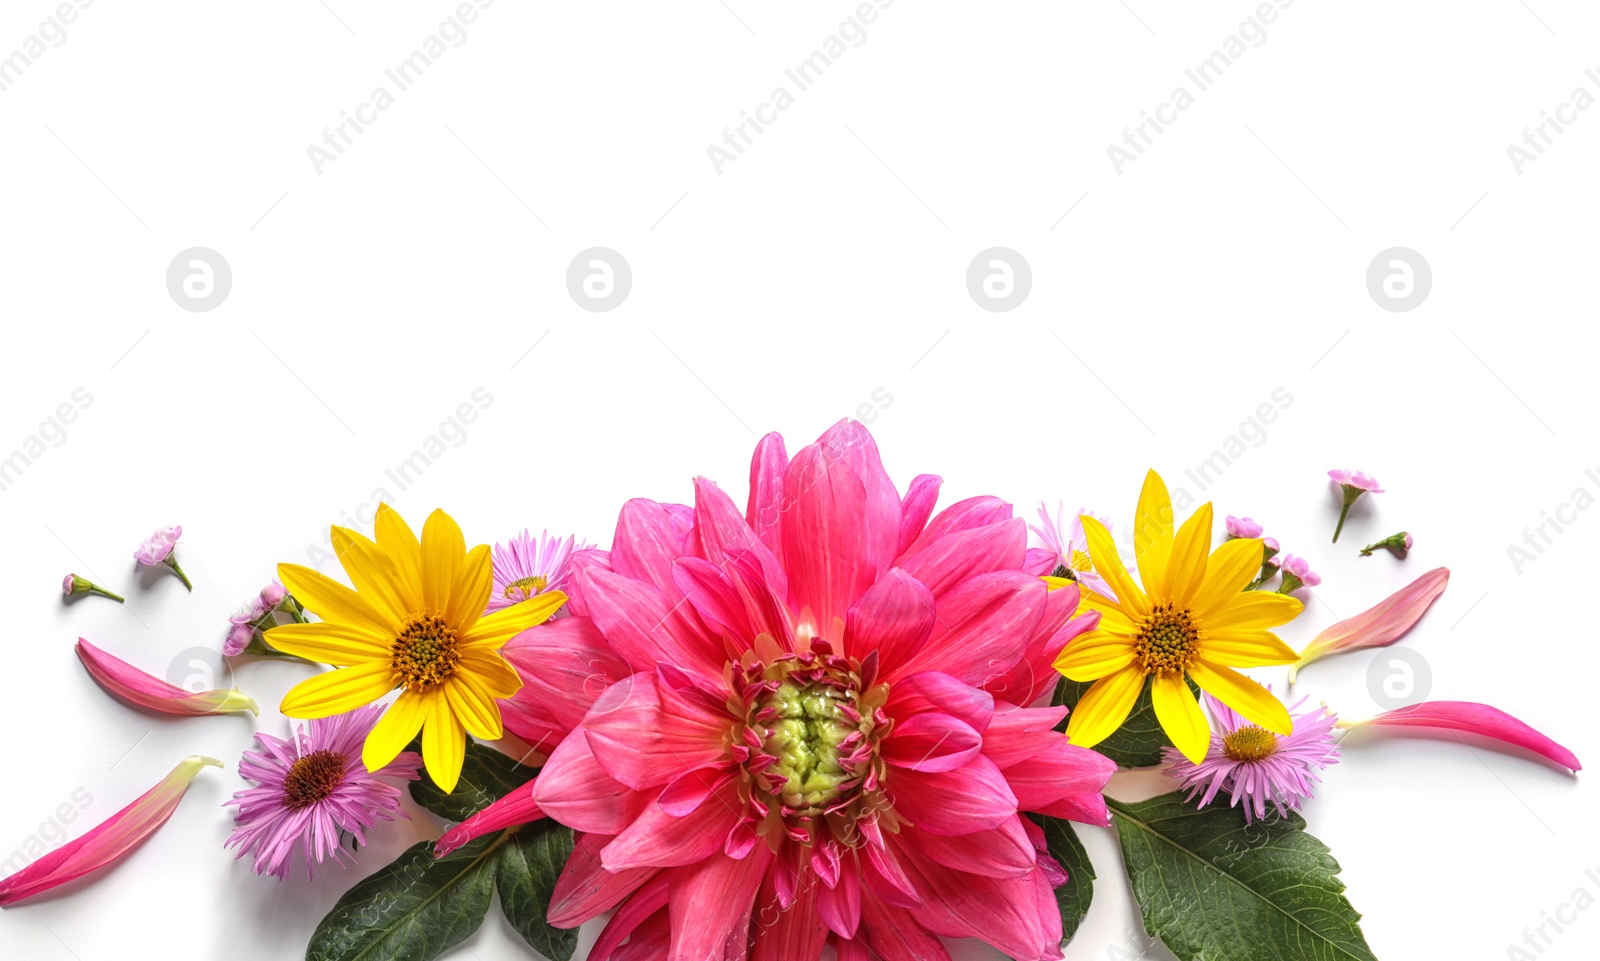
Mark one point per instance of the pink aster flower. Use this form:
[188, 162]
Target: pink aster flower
[157, 549]
[312, 788]
[1255, 766]
[73, 585]
[526, 566]
[1352, 484]
[1242, 527]
[814, 721]
[1297, 573]
[1066, 548]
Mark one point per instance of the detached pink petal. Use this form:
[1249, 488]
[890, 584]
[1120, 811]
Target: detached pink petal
[153, 694]
[515, 808]
[1381, 626]
[1473, 718]
[109, 841]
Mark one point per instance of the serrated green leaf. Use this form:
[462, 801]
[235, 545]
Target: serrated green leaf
[413, 910]
[1216, 889]
[1074, 896]
[486, 777]
[526, 877]
[1138, 742]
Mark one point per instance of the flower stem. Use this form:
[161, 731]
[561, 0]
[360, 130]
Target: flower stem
[1343, 513]
[173, 563]
[97, 589]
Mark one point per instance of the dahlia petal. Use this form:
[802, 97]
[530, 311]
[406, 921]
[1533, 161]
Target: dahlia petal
[1152, 533]
[711, 904]
[586, 889]
[971, 513]
[1108, 564]
[1017, 734]
[641, 624]
[1382, 625]
[1232, 566]
[338, 691]
[634, 912]
[399, 724]
[1004, 912]
[1472, 718]
[713, 596]
[931, 742]
[564, 664]
[916, 507]
[1094, 655]
[762, 605]
[840, 906]
[1033, 678]
[719, 528]
[971, 798]
[1003, 851]
[937, 691]
[795, 933]
[852, 949]
[648, 539]
[1040, 561]
[108, 841]
[828, 561]
[959, 557]
[1186, 569]
[894, 617]
[650, 941]
[765, 508]
[444, 744]
[1244, 695]
[443, 548]
[885, 878]
[375, 576]
[1180, 715]
[1083, 808]
[1061, 770]
[894, 934]
[574, 789]
[332, 601]
[657, 839]
[153, 694]
[338, 644]
[978, 624]
[641, 743]
[684, 794]
[853, 443]
[515, 808]
[1104, 707]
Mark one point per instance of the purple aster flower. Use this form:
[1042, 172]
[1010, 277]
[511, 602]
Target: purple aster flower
[1256, 766]
[1063, 535]
[310, 789]
[526, 567]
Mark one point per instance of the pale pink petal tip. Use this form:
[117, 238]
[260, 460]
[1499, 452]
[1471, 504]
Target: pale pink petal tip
[110, 840]
[153, 694]
[1472, 718]
[1382, 625]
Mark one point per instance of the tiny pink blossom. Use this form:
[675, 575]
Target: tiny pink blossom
[66, 585]
[1271, 544]
[1356, 479]
[158, 546]
[1297, 573]
[1243, 527]
[273, 594]
[239, 638]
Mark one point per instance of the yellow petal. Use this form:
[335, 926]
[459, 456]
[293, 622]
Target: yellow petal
[444, 746]
[476, 710]
[1253, 610]
[443, 547]
[375, 576]
[1245, 696]
[397, 540]
[1112, 618]
[1179, 714]
[1233, 565]
[399, 724]
[1094, 655]
[338, 644]
[331, 600]
[1186, 571]
[1105, 706]
[493, 673]
[1109, 566]
[1152, 533]
[335, 692]
[1246, 649]
[501, 626]
[470, 593]
[1053, 583]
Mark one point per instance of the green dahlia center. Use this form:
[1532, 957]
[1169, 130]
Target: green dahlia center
[1166, 640]
[805, 738]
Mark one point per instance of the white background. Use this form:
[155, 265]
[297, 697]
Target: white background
[825, 264]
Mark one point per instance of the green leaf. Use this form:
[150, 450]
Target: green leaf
[486, 777]
[413, 910]
[1138, 742]
[1216, 889]
[526, 877]
[1074, 896]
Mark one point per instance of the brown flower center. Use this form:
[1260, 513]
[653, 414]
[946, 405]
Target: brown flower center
[1249, 743]
[313, 778]
[425, 653]
[1166, 640]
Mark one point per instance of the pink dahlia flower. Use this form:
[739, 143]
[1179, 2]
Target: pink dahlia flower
[312, 788]
[816, 721]
[1255, 766]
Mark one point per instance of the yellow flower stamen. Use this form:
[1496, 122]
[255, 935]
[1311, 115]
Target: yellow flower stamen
[1249, 743]
[527, 586]
[1082, 563]
[1166, 640]
[425, 653]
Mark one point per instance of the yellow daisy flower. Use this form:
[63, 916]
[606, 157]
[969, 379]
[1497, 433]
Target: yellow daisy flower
[415, 621]
[1193, 617]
